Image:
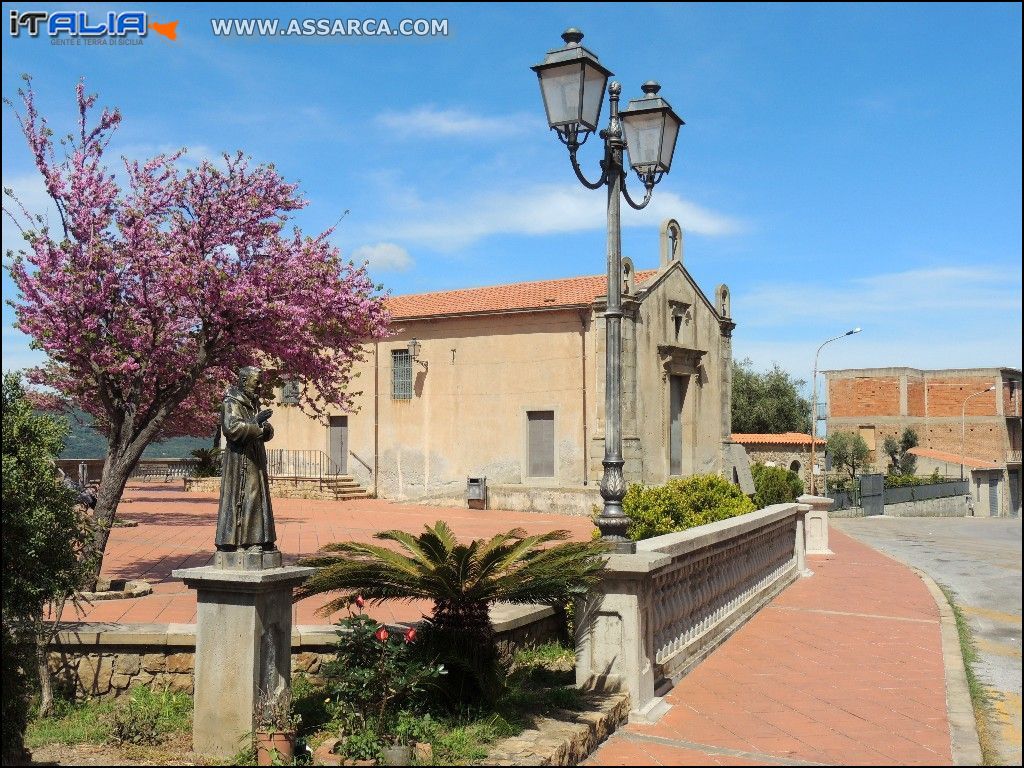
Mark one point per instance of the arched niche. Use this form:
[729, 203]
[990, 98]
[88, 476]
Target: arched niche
[722, 301]
[628, 277]
[671, 242]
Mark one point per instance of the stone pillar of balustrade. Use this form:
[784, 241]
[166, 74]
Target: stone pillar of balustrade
[816, 524]
[614, 647]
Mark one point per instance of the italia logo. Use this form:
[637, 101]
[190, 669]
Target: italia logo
[83, 24]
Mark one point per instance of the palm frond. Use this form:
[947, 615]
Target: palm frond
[510, 567]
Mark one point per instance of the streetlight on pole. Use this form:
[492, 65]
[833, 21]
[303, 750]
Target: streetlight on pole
[963, 426]
[572, 83]
[814, 401]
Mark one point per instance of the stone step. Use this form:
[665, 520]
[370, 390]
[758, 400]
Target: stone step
[349, 493]
[341, 487]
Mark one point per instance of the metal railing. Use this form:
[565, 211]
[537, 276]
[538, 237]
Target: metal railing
[164, 469]
[301, 465]
[1013, 457]
[362, 461]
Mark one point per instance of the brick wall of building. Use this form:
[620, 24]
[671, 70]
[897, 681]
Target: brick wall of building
[868, 401]
[864, 397]
[946, 396]
[915, 398]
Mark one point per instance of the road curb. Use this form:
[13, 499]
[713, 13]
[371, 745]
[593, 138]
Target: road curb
[963, 728]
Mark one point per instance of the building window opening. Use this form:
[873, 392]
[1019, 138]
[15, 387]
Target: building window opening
[401, 374]
[540, 438]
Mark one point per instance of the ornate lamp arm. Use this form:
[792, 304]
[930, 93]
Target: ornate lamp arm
[649, 183]
[583, 179]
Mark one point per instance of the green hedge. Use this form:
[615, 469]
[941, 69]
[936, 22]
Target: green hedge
[902, 481]
[774, 485]
[682, 504]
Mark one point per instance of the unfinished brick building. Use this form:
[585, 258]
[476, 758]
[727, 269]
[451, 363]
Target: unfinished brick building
[968, 416]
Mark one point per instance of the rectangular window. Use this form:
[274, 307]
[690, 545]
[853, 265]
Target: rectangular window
[541, 443]
[868, 433]
[401, 375]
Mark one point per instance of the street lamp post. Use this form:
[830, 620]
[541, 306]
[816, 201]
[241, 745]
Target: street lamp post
[572, 84]
[963, 427]
[814, 403]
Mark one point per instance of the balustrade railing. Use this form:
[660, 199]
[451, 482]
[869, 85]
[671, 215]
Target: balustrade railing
[301, 465]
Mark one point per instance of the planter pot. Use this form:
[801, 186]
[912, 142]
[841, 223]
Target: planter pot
[274, 747]
[397, 755]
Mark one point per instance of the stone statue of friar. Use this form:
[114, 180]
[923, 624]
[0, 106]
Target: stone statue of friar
[245, 520]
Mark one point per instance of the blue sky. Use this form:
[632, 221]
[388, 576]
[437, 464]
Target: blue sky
[840, 166]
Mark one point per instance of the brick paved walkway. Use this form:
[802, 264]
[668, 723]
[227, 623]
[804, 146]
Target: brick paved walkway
[844, 667]
[176, 530]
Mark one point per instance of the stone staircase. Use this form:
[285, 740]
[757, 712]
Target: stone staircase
[345, 487]
[340, 487]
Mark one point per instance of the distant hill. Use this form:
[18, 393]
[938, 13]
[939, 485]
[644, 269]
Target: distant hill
[84, 442]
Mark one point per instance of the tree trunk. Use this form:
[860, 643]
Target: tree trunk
[117, 469]
[43, 668]
[45, 632]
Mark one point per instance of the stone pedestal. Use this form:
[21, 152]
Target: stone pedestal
[243, 647]
[816, 524]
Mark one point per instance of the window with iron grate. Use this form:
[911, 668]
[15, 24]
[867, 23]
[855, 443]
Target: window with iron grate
[401, 375]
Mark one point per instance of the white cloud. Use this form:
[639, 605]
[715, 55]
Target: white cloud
[926, 347]
[432, 122]
[542, 210]
[386, 257]
[891, 295]
[942, 317]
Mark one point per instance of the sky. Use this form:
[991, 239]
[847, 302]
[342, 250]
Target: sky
[840, 166]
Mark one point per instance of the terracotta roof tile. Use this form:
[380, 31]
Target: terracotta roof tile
[783, 438]
[540, 294]
[954, 458]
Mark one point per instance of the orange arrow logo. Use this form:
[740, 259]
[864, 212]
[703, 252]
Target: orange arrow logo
[168, 30]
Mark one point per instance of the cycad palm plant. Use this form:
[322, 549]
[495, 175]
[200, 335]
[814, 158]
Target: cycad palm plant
[462, 580]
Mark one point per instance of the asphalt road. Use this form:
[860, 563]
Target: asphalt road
[979, 559]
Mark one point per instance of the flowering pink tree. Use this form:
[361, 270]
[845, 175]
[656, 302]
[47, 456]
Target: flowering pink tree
[153, 291]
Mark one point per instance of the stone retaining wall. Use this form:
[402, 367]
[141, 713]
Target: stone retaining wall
[280, 488]
[948, 506]
[107, 660]
[570, 500]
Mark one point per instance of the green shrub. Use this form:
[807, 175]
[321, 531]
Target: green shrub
[18, 667]
[462, 580]
[902, 481]
[682, 504]
[45, 537]
[134, 724]
[208, 462]
[774, 485]
[377, 673]
[146, 716]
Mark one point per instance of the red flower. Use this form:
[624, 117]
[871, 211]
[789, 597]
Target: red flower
[381, 634]
[410, 635]
[359, 601]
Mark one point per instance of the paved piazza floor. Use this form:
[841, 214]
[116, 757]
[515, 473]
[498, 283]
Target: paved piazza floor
[176, 529]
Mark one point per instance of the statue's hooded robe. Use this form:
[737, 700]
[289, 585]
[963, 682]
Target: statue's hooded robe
[245, 517]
